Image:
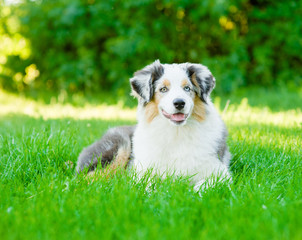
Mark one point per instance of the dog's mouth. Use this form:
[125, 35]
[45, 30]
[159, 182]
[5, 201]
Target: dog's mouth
[177, 118]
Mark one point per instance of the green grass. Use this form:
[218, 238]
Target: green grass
[42, 199]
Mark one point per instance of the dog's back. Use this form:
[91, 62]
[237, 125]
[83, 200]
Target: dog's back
[113, 148]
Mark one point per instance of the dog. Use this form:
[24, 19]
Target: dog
[178, 132]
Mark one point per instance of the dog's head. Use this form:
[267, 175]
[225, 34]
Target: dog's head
[173, 91]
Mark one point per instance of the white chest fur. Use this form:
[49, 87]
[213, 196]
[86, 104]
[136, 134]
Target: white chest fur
[183, 150]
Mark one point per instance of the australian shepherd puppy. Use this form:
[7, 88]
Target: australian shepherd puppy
[179, 130]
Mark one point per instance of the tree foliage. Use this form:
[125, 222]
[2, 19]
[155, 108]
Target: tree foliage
[91, 45]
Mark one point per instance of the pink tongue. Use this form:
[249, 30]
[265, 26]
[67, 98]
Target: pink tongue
[178, 117]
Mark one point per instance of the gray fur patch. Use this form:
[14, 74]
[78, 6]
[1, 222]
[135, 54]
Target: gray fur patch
[223, 151]
[104, 150]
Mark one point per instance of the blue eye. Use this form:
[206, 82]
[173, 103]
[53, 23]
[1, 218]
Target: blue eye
[163, 89]
[187, 88]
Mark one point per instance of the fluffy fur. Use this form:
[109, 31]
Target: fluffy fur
[179, 131]
[113, 149]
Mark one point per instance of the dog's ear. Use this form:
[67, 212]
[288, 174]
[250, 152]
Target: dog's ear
[202, 79]
[142, 83]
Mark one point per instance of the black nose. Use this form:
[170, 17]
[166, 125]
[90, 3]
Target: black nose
[179, 103]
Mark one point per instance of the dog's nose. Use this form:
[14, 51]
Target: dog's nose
[179, 103]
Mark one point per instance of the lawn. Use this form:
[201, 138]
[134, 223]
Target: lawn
[42, 199]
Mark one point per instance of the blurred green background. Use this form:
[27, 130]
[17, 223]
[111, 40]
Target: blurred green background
[95, 46]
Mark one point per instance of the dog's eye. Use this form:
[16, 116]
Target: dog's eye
[163, 89]
[187, 88]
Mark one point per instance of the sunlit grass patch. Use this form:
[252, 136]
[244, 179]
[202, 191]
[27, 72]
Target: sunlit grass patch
[13, 104]
[243, 113]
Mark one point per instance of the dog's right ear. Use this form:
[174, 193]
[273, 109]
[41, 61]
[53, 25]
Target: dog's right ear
[142, 83]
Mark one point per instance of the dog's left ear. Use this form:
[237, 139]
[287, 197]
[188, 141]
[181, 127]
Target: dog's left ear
[142, 83]
[202, 79]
